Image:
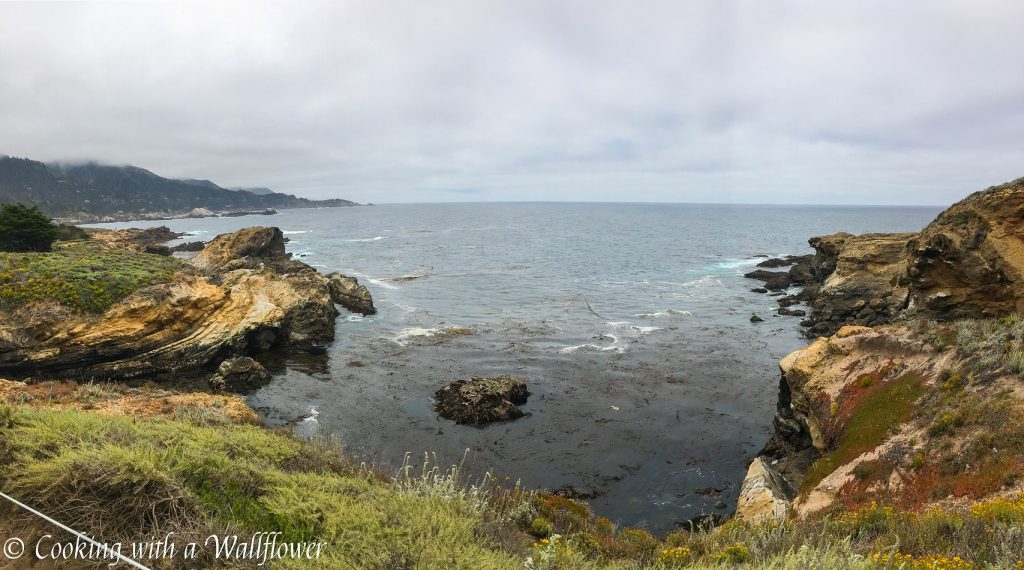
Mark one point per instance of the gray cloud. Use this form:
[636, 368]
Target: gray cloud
[747, 101]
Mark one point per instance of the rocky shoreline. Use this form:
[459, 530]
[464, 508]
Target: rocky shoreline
[873, 409]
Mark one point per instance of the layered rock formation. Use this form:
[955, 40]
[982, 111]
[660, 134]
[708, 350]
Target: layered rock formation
[247, 296]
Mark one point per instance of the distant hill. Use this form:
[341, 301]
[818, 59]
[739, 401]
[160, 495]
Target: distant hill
[92, 191]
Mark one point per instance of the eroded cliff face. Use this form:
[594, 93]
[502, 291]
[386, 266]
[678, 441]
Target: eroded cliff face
[926, 410]
[247, 297]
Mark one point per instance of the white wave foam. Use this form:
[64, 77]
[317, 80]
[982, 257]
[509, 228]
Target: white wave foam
[377, 282]
[354, 318]
[594, 347]
[377, 238]
[664, 314]
[736, 263]
[308, 426]
[294, 232]
[707, 280]
[404, 335]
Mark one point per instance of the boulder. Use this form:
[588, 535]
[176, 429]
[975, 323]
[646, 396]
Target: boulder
[480, 401]
[239, 374]
[347, 292]
[756, 319]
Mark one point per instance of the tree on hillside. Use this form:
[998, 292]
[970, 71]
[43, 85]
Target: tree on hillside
[25, 228]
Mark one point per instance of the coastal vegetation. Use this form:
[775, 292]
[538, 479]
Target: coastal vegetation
[82, 276]
[196, 474]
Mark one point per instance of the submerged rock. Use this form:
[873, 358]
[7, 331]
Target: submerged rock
[756, 319]
[239, 375]
[480, 401]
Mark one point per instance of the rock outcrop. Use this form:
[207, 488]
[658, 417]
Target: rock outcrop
[253, 247]
[969, 262]
[247, 297]
[480, 401]
[858, 280]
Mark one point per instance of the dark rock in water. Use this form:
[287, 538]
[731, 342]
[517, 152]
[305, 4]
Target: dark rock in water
[347, 292]
[189, 246]
[239, 375]
[787, 312]
[773, 280]
[156, 249]
[775, 262]
[758, 290]
[480, 401]
[708, 492]
[756, 319]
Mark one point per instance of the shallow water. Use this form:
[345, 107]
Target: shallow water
[629, 322]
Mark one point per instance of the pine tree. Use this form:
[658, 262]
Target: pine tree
[25, 228]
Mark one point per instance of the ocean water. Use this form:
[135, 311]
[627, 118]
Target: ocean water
[651, 390]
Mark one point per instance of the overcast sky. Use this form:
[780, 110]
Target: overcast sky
[678, 101]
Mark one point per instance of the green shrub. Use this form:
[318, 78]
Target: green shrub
[736, 554]
[541, 527]
[945, 424]
[25, 228]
